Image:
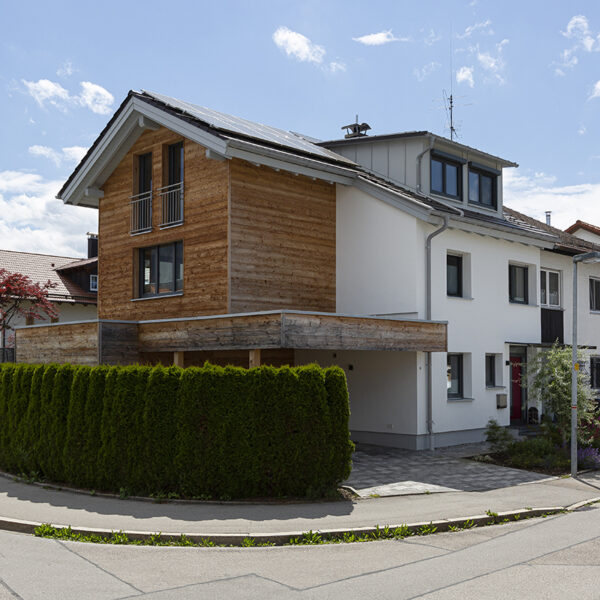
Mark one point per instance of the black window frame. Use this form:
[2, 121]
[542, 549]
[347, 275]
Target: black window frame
[594, 294]
[145, 173]
[511, 291]
[490, 370]
[482, 172]
[176, 283]
[172, 151]
[459, 266]
[595, 372]
[447, 160]
[460, 374]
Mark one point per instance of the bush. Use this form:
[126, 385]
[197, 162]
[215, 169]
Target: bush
[498, 437]
[199, 432]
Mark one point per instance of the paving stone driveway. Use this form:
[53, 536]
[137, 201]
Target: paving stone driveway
[392, 471]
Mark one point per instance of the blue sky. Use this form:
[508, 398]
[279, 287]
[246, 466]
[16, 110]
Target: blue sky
[525, 77]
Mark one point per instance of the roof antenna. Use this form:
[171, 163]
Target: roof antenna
[451, 99]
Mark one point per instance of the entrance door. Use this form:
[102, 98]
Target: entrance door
[516, 395]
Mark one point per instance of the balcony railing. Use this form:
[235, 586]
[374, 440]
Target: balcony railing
[141, 212]
[172, 204]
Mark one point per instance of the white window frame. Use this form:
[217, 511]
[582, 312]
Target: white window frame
[547, 303]
[93, 283]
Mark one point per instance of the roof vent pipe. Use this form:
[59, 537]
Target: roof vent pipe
[548, 217]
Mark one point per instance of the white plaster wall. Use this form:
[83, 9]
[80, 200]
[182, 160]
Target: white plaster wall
[482, 324]
[382, 387]
[380, 257]
[584, 234]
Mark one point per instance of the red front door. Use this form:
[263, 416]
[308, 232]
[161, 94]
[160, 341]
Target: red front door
[516, 395]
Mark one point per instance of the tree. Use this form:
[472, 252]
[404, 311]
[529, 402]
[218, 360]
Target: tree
[19, 295]
[549, 379]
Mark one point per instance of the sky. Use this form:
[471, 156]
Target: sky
[525, 77]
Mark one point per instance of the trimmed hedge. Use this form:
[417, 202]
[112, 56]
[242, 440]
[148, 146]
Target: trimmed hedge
[196, 432]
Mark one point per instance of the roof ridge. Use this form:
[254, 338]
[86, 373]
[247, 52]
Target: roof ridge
[41, 254]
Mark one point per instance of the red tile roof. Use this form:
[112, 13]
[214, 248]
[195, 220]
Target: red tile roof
[583, 225]
[41, 268]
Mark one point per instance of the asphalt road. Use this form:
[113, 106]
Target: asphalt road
[556, 557]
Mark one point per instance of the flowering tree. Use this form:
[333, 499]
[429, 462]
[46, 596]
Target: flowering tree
[21, 296]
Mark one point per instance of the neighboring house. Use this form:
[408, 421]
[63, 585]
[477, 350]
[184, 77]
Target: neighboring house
[74, 293]
[585, 231]
[389, 255]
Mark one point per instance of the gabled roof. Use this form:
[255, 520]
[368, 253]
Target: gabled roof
[41, 268]
[223, 136]
[566, 243]
[583, 225]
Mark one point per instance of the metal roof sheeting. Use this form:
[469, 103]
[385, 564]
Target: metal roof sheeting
[250, 129]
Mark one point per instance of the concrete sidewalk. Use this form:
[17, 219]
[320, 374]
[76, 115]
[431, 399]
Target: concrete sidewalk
[33, 503]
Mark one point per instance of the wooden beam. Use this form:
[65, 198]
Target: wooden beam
[178, 359]
[146, 123]
[253, 358]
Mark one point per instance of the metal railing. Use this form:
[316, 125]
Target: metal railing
[172, 204]
[141, 212]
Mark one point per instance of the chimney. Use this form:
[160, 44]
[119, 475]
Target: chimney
[92, 245]
[548, 217]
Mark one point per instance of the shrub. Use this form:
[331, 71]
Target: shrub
[498, 437]
[201, 432]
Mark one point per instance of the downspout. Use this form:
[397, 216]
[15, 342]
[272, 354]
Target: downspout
[430, 237]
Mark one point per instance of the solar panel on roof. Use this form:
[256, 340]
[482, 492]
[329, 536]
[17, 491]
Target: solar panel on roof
[247, 128]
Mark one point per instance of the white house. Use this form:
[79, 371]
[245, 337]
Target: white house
[365, 239]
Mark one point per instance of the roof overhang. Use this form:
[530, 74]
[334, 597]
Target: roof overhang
[137, 115]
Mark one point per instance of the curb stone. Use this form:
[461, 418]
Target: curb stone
[281, 538]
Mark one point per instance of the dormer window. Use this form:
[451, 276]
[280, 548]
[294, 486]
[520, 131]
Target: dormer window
[446, 175]
[483, 185]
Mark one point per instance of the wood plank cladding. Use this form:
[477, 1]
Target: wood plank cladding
[75, 343]
[282, 235]
[204, 233]
[118, 343]
[238, 358]
[291, 330]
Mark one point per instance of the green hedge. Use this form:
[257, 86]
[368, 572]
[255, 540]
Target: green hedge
[197, 432]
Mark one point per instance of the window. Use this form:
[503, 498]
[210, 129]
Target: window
[455, 375]
[141, 202]
[93, 283]
[28, 320]
[172, 192]
[454, 269]
[446, 176]
[482, 188]
[161, 269]
[595, 372]
[594, 294]
[517, 284]
[490, 370]
[549, 288]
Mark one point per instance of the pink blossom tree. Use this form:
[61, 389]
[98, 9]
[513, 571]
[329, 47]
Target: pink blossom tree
[20, 296]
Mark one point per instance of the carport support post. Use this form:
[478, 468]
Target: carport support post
[254, 358]
[178, 359]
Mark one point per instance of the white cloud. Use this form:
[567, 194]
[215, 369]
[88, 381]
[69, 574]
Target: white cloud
[578, 30]
[582, 130]
[66, 69]
[425, 71]
[596, 91]
[494, 65]
[70, 154]
[96, 98]
[432, 38]
[465, 75]
[299, 46]
[537, 193]
[334, 66]
[44, 90]
[484, 27]
[33, 220]
[378, 39]
[92, 96]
